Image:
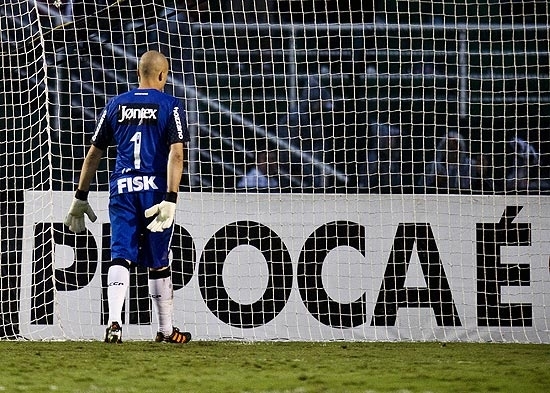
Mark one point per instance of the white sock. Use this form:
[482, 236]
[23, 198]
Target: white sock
[162, 294]
[118, 279]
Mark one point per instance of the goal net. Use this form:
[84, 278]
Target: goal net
[358, 170]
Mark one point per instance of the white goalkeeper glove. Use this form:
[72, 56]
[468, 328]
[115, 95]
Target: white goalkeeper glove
[75, 217]
[165, 212]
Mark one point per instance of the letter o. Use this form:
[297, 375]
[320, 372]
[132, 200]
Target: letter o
[279, 284]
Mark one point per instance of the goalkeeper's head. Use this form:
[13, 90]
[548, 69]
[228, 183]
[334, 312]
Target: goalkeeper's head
[152, 70]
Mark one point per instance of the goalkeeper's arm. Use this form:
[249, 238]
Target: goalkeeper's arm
[166, 210]
[80, 206]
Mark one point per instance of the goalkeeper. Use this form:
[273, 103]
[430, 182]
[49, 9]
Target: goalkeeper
[149, 129]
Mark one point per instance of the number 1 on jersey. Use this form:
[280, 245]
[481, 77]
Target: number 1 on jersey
[137, 149]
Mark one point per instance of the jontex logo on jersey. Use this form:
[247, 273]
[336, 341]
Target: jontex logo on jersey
[136, 183]
[137, 113]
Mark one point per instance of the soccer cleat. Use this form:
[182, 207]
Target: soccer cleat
[113, 334]
[176, 337]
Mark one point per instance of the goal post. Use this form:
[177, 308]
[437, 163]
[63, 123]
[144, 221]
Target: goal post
[407, 155]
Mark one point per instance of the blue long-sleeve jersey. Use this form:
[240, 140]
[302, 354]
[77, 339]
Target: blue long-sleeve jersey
[142, 123]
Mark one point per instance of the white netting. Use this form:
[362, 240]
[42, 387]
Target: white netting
[367, 116]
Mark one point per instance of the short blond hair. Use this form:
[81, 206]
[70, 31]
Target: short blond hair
[152, 63]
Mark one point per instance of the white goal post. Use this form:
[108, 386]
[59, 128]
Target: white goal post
[407, 148]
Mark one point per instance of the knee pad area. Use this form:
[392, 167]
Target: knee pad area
[157, 274]
[121, 262]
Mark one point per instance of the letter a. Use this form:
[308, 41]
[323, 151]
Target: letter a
[393, 293]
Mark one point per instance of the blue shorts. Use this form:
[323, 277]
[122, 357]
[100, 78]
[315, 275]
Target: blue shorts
[130, 238]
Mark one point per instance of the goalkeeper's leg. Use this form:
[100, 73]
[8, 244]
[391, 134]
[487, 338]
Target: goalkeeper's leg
[118, 279]
[155, 254]
[162, 294]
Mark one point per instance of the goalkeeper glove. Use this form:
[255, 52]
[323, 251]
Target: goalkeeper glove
[80, 206]
[165, 211]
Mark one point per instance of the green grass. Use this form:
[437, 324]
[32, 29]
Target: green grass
[273, 367]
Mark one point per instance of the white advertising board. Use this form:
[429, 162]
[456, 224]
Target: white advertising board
[308, 267]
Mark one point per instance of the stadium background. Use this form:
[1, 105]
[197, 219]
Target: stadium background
[490, 82]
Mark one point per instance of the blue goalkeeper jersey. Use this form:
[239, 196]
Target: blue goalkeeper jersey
[142, 123]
